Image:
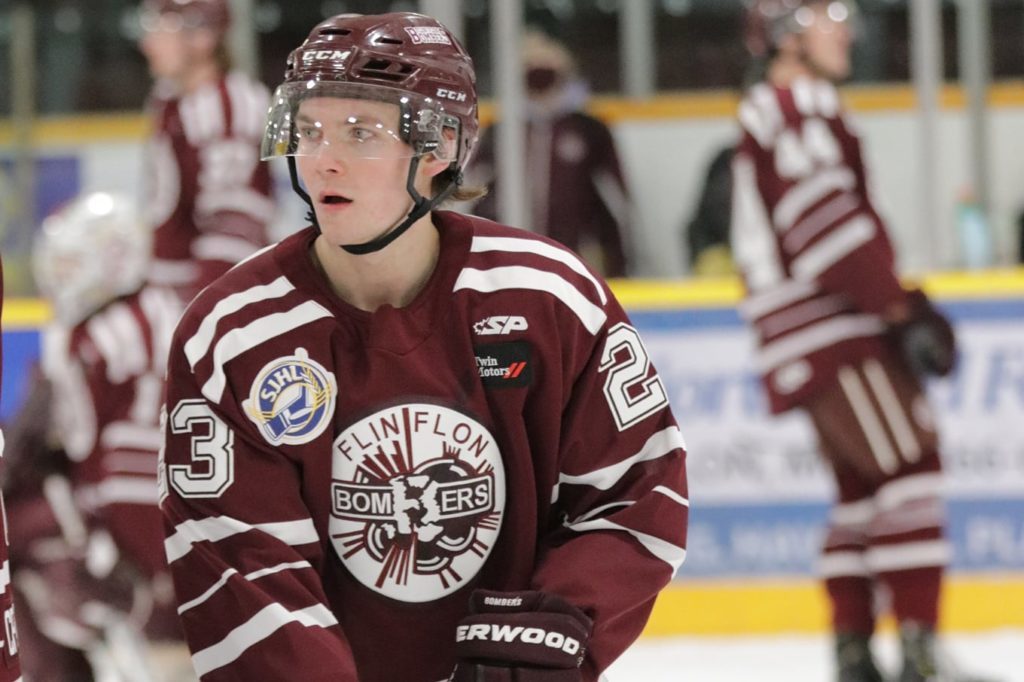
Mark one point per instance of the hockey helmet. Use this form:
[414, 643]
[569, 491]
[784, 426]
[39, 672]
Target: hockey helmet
[401, 58]
[769, 21]
[186, 14]
[91, 251]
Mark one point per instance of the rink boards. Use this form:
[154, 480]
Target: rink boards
[759, 495]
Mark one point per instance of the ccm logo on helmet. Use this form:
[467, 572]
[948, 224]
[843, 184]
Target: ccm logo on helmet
[507, 633]
[454, 95]
[321, 55]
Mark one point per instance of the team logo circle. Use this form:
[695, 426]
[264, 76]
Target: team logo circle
[417, 500]
[292, 399]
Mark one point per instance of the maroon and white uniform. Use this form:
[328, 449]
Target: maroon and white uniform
[578, 193]
[338, 481]
[209, 197]
[819, 270]
[10, 666]
[108, 376]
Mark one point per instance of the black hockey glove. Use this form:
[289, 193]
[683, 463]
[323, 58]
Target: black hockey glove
[520, 637]
[926, 338]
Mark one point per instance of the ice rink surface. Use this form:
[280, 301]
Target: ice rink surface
[799, 658]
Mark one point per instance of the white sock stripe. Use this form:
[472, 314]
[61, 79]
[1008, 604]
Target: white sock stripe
[869, 422]
[843, 564]
[909, 555]
[902, 490]
[893, 411]
[853, 513]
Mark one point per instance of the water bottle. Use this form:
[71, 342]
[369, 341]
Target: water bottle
[975, 236]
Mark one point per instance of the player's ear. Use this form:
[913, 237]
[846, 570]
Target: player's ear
[441, 158]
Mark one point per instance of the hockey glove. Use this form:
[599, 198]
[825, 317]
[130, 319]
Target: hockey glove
[520, 637]
[926, 337]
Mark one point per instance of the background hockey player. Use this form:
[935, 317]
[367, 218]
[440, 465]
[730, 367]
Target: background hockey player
[839, 337]
[489, 450]
[208, 197]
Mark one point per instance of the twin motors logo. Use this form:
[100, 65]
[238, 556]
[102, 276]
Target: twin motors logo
[292, 399]
[504, 365]
[417, 499]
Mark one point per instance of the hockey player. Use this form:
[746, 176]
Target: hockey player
[208, 198]
[839, 337]
[10, 664]
[405, 442]
[90, 560]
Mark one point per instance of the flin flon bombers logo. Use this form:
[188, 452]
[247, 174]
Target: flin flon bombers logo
[292, 399]
[417, 495]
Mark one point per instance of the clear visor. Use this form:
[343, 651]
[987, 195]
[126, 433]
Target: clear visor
[356, 121]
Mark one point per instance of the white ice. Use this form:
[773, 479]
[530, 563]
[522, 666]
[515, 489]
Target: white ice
[998, 655]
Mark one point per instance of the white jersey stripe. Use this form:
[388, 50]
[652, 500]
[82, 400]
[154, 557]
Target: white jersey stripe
[129, 435]
[519, 277]
[658, 445]
[853, 514]
[539, 248]
[243, 200]
[809, 192]
[223, 580]
[197, 346]
[265, 623]
[5, 576]
[816, 221]
[776, 298]
[217, 528]
[238, 341]
[868, 419]
[892, 410]
[671, 554]
[909, 555]
[841, 242]
[672, 495]
[815, 337]
[223, 247]
[172, 272]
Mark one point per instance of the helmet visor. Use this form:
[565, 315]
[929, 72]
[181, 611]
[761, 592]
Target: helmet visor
[355, 121]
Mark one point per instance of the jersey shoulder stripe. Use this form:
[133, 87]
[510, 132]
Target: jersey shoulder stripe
[117, 334]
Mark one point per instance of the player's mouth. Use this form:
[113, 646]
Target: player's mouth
[333, 201]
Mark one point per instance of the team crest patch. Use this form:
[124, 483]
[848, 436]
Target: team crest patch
[292, 399]
[417, 500]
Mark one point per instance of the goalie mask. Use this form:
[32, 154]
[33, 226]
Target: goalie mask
[90, 252]
[407, 60]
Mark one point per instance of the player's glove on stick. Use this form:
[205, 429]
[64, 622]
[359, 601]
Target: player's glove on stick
[926, 337]
[520, 637]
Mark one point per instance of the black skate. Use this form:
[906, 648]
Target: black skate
[922, 662]
[854, 659]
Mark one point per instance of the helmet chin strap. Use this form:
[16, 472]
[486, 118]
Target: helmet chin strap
[421, 207]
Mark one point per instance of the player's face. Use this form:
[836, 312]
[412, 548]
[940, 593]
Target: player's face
[354, 166]
[170, 49]
[827, 40]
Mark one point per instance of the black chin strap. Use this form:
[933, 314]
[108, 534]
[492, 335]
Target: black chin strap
[421, 206]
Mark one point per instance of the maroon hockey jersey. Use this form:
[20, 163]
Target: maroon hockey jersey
[209, 197]
[336, 482]
[817, 263]
[10, 667]
[108, 376]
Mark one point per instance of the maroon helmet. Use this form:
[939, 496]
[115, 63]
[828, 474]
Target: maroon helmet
[404, 58]
[769, 21]
[211, 14]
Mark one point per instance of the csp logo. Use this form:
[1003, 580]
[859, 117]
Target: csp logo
[292, 399]
[417, 499]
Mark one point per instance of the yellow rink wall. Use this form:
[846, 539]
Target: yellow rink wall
[972, 601]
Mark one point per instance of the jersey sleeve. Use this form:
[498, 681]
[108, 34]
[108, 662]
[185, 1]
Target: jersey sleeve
[245, 563]
[804, 168]
[621, 505]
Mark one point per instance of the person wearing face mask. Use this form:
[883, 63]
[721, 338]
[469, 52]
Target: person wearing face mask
[839, 337]
[577, 189]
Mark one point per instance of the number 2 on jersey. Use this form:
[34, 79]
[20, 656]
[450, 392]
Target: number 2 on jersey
[630, 388]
